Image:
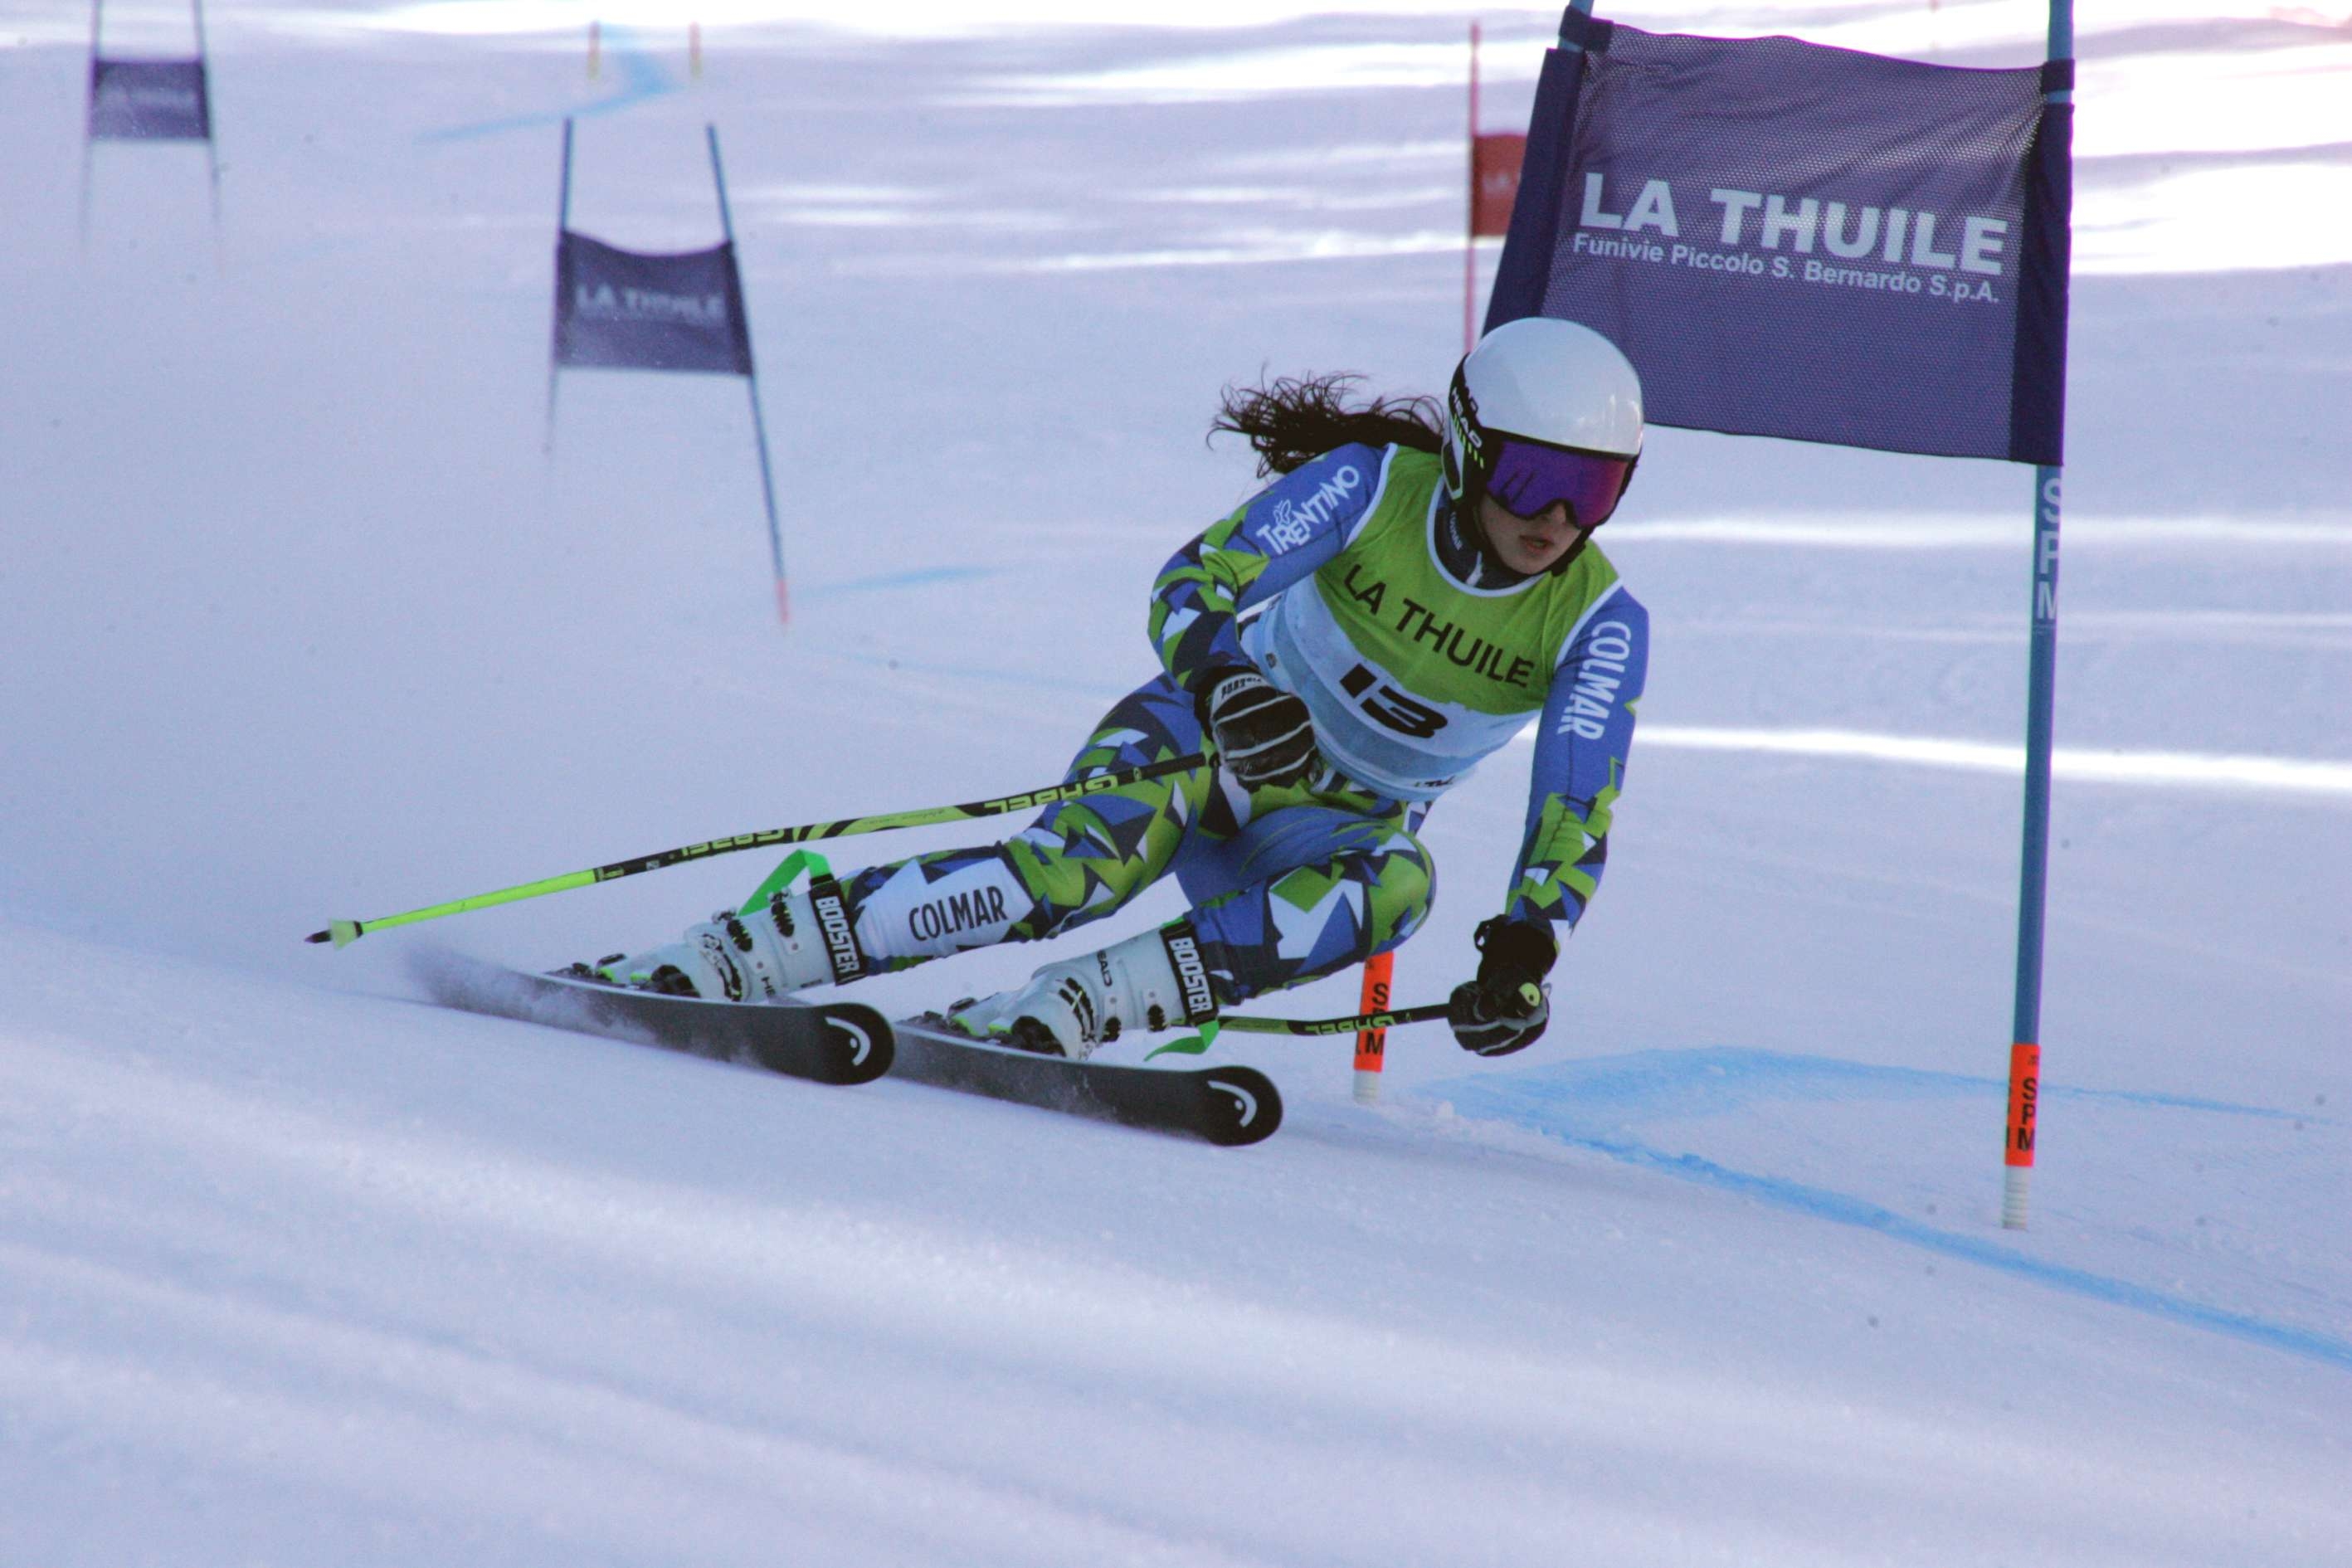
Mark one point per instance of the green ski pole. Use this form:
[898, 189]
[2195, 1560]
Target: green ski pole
[1195, 1045]
[1388, 1020]
[342, 933]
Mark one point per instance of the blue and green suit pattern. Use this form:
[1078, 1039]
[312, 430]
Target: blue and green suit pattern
[1412, 675]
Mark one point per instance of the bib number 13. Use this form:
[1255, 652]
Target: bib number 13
[1384, 704]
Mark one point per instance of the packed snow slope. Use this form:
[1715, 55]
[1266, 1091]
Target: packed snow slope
[298, 622]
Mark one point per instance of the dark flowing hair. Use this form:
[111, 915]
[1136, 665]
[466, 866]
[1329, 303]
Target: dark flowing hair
[1292, 419]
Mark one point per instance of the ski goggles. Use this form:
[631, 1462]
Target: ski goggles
[1529, 477]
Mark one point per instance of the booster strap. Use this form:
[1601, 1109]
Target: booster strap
[840, 938]
[1200, 998]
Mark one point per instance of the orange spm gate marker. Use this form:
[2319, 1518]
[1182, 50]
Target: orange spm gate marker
[2024, 1092]
[1371, 1045]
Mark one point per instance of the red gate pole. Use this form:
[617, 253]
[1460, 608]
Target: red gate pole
[1371, 1045]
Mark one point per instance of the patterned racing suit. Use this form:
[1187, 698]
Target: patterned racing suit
[1416, 656]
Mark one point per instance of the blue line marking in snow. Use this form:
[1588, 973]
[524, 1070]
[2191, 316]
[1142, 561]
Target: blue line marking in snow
[922, 577]
[1718, 1080]
[1722, 1080]
[642, 77]
[1587, 1106]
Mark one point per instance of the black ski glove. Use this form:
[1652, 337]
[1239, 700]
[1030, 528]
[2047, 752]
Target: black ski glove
[1262, 734]
[1506, 1007]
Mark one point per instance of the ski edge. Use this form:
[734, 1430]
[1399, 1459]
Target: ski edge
[1230, 1106]
[856, 1044]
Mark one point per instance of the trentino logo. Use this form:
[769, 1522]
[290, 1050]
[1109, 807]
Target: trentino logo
[1294, 523]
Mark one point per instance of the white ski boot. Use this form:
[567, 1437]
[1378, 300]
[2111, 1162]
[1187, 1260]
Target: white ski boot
[801, 938]
[1155, 980]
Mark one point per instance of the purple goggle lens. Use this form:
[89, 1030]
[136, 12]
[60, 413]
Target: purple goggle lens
[1528, 478]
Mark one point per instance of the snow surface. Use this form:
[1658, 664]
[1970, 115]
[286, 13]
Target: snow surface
[296, 622]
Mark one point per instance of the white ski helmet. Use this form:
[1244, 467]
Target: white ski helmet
[1544, 411]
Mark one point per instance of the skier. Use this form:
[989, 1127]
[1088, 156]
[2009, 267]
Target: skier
[1424, 590]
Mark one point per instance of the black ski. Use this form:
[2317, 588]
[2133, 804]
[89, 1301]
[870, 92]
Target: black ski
[835, 1042]
[1230, 1105]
